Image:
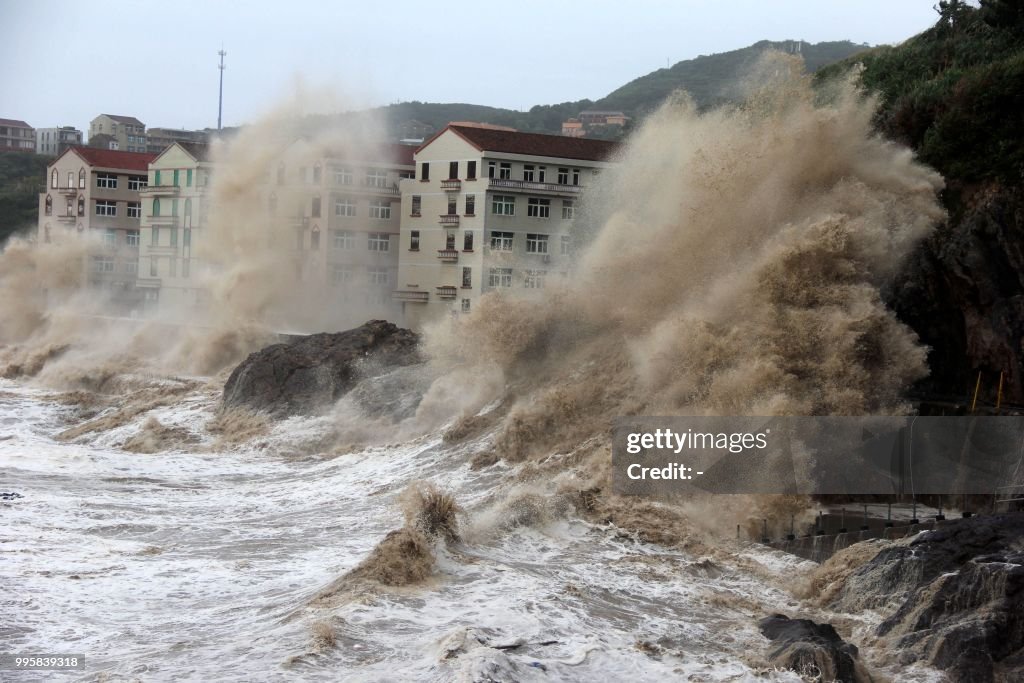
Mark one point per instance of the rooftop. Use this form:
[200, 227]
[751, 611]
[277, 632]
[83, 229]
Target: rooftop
[14, 123]
[131, 120]
[112, 158]
[535, 144]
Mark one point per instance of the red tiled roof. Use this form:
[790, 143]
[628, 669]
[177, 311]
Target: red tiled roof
[113, 158]
[393, 153]
[535, 144]
[14, 123]
[124, 119]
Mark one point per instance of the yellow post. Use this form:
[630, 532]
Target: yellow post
[999, 394]
[977, 387]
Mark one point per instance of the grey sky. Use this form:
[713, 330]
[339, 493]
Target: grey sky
[65, 62]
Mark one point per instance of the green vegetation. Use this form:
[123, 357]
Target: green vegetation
[22, 178]
[955, 93]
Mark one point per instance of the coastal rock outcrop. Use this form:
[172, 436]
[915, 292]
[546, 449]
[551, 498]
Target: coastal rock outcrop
[812, 649]
[958, 593]
[309, 374]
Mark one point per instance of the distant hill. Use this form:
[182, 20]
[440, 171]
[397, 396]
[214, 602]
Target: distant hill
[707, 78]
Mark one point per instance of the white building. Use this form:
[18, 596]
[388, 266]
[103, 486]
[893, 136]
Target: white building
[490, 209]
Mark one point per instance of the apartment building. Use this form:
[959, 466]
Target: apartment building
[128, 134]
[175, 206]
[95, 193]
[343, 207]
[489, 209]
[158, 139]
[16, 136]
[54, 141]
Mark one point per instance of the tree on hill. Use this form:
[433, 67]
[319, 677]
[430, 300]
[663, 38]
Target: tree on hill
[22, 178]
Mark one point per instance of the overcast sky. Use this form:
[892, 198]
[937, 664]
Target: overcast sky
[64, 62]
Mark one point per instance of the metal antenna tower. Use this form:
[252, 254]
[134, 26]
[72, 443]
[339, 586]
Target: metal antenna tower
[220, 97]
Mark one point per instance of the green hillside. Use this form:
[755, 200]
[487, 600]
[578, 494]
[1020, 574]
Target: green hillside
[22, 178]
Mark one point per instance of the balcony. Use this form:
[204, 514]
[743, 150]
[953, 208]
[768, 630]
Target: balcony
[527, 186]
[410, 295]
[451, 185]
[390, 190]
[69, 190]
[447, 291]
[67, 217]
[159, 191]
[448, 255]
[449, 219]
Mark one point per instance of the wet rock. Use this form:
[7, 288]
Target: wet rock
[309, 374]
[957, 594]
[812, 650]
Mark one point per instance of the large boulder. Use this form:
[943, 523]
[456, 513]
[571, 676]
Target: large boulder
[812, 650]
[954, 597]
[309, 374]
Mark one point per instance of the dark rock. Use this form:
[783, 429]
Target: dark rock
[309, 374]
[962, 291]
[812, 650]
[957, 594]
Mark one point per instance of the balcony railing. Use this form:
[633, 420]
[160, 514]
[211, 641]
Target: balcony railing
[381, 189]
[449, 219]
[527, 186]
[447, 291]
[159, 190]
[410, 295]
[69, 190]
[67, 217]
[451, 255]
[451, 185]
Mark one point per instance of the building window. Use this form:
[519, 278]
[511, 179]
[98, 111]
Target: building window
[134, 209]
[343, 176]
[71, 179]
[467, 241]
[188, 212]
[49, 205]
[465, 305]
[110, 238]
[378, 276]
[449, 241]
[566, 244]
[452, 207]
[378, 241]
[575, 176]
[315, 211]
[470, 170]
[136, 183]
[344, 207]
[568, 209]
[152, 268]
[314, 239]
[563, 176]
[106, 181]
[106, 208]
[81, 205]
[505, 171]
[538, 208]
[131, 238]
[177, 178]
[81, 179]
[154, 237]
[380, 209]
[174, 207]
[131, 267]
[156, 177]
[535, 279]
[317, 174]
[174, 237]
[340, 275]
[342, 239]
[470, 204]
[375, 177]
[53, 179]
[103, 264]
[186, 267]
[536, 244]
[172, 266]
[453, 170]
[541, 173]
[491, 166]
[500, 277]
[417, 205]
[188, 178]
[186, 237]
[503, 205]
[424, 171]
[467, 277]
[414, 240]
[501, 241]
[528, 172]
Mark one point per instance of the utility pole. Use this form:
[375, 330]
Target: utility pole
[220, 97]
